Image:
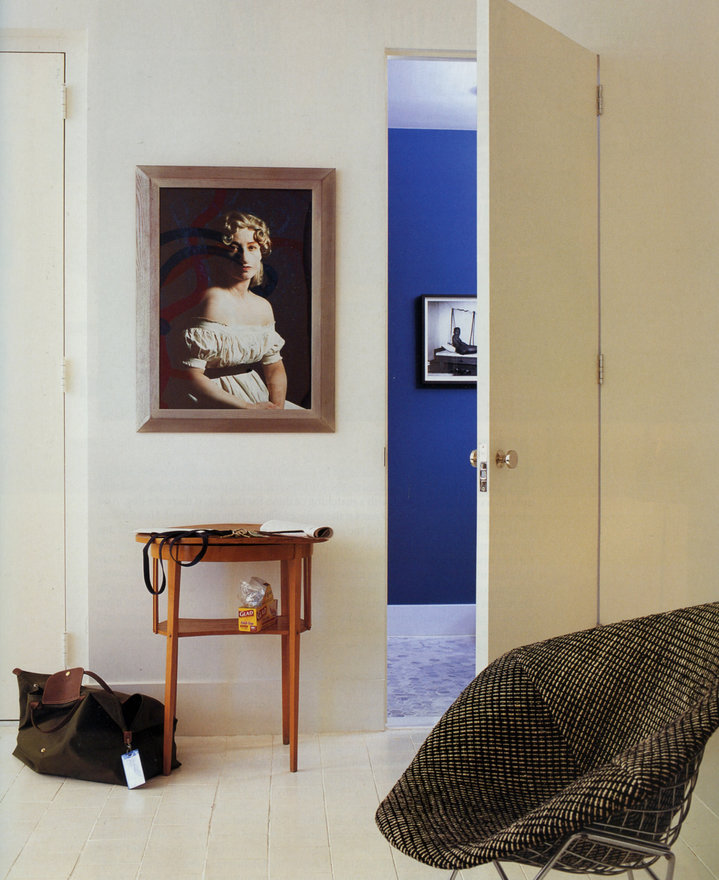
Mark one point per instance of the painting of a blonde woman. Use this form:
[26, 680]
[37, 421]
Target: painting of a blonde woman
[225, 352]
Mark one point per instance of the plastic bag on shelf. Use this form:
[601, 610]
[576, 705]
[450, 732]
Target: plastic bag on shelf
[252, 592]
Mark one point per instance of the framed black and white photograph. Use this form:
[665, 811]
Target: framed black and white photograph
[235, 309]
[448, 351]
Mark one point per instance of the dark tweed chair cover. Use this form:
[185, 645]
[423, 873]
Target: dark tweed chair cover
[559, 735]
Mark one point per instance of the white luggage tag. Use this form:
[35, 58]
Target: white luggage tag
[132, 766]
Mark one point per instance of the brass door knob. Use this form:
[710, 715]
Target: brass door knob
[508, 459]
[473, 458]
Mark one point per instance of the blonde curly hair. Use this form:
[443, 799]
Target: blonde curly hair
[234, 220]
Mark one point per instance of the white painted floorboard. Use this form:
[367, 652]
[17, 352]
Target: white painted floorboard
[233, 810]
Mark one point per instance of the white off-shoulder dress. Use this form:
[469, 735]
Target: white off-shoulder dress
[228, 355]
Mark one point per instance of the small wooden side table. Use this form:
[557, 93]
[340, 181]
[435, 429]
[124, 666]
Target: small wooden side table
[294, 552]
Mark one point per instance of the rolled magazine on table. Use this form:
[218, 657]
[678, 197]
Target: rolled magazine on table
[283, 527]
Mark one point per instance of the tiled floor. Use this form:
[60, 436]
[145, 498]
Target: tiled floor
[233, 810]
[424, 676]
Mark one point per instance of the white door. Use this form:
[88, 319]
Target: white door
[538, 264]
[32, 546]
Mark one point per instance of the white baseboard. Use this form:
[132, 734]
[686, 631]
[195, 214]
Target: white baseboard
[431, 620]
[215, 708]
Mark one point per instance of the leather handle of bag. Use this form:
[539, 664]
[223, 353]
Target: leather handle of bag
[36, 724]
[64, 687]
[171, 540]
[103, 684]
[35, 704]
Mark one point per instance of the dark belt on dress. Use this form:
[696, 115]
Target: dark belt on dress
[235, 370]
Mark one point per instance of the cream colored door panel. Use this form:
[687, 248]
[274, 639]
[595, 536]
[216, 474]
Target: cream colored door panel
[543, 337]
[32, 565]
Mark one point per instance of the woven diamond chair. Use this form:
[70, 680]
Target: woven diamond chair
[577, 754]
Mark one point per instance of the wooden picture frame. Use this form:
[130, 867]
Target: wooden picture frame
[441, 362]
[179, 213]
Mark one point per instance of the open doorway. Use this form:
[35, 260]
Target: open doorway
[432, 143]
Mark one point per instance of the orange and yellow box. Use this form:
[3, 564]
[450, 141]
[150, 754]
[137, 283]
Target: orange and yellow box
[256, 618]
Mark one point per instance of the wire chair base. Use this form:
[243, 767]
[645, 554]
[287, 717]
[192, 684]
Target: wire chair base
[632, 840]
[647, 850]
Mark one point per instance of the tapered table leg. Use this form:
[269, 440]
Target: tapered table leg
[293, 573]
[284, 607]
[173, 614]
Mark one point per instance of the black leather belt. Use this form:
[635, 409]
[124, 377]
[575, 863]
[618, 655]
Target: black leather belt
[235, 370]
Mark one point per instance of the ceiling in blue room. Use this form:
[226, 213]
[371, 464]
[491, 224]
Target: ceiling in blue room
[432, 93]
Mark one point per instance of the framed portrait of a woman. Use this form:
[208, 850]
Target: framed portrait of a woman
[235, 308]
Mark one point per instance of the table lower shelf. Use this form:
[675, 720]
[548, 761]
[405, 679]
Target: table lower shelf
[204, 626]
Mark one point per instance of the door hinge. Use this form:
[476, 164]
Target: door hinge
[600, 100]
[64, 373]
[63, 100]
[600, 369]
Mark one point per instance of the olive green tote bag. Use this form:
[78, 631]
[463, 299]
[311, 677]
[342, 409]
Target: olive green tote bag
[69, 729]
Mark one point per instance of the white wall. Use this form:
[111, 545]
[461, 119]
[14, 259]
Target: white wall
[660, 264]
[303, 84]
[238, 83]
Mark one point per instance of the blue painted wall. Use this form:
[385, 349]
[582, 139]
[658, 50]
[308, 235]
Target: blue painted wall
[432, 509]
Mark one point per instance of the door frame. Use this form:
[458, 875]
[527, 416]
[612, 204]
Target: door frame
[438, 55]
[445, 619]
